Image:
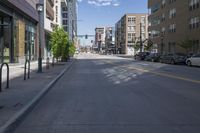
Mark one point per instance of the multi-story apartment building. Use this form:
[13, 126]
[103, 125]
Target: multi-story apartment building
[110, 40]
[68, 16]
[48, 24]
[128, 30]
[100, 34]
[173, 22]
[19, 26]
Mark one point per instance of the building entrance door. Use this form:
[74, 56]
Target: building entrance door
[30, 53]
[5, 38]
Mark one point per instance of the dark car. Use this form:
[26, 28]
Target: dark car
[154, 57]
[141, 55]
[173, 58]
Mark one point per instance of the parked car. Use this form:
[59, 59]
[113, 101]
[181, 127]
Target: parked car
[141, 55]
[194, 60]
[190, 55]
[173, 58]
[154, 57]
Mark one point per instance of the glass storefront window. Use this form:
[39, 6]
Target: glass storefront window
[5, 38]
[30, 41]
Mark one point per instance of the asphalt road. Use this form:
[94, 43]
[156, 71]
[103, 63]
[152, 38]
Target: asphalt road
[105, 94]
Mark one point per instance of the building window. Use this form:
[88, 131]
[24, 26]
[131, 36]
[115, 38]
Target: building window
[64, 15]
[65, 28]
[172, 28]
[163, 30]
[194, 23]
[143, 36]
[163, 17]
[155, 33]
[143, 29]
[131, 28]
[64, 8]
[194, 4]
[155, 8]
[155, 21]
[143, 20]
[65, 22]
[171, 1]
[131, 20]
[172, 13]
[163, 3]
[196, 46]
[131, 37]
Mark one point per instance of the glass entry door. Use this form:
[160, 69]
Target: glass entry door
[29, 42]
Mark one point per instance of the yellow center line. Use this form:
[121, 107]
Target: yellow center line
[159, 73]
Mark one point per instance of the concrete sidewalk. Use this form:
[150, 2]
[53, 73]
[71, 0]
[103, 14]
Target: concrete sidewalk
[17, 70]
[125, 56]
[21, 92]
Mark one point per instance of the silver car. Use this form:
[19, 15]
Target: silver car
[194, 60]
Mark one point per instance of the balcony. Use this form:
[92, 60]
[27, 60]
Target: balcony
[51, 2]
[49, 10]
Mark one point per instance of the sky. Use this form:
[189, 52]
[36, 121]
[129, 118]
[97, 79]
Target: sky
[95, 13]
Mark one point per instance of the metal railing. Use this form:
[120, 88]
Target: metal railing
[7, 85]
[25, 69]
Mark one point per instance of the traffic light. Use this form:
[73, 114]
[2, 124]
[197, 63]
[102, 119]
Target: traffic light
[86, 36]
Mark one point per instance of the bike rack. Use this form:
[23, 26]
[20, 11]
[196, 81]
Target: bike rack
[25, 68]
[47, 63]
[53, 62]
[7, 85]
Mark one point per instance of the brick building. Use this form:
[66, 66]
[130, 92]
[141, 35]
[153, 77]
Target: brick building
[128, 30]
[173, 22]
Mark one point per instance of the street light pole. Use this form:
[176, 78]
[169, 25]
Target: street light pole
[141, 44]
[40, 10]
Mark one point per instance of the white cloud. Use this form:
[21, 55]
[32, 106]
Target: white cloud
[116, 4]
[79, 0]
[103, 2]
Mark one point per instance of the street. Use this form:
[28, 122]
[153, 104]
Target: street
[109, 94]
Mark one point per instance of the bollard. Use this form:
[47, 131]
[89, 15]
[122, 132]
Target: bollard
[7, 85]
[47, 63]
[25, 69]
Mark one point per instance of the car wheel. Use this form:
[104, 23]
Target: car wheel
[189, 63]
[172, 62]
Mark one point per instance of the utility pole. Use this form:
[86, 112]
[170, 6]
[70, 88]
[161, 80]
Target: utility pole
[141, 44]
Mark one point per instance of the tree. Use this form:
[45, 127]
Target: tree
[136, 45]
[59, 43]
[186, 44]
[72, 48]
[148, 46]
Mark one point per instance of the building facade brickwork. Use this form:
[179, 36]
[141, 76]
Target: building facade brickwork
[128, 31]
[173, 22]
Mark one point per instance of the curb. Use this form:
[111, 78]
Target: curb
[14, 121]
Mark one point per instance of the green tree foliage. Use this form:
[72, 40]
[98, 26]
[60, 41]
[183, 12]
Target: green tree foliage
[59, 43]
[136, 45]
[186, 44]
[72, 48]
[148, 46]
